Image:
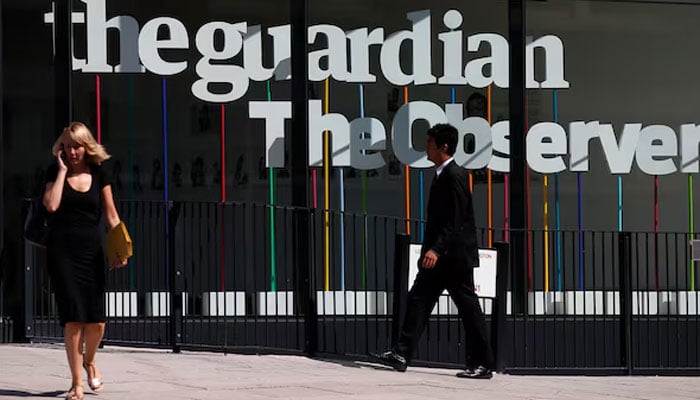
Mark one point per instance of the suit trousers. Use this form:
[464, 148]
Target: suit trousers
[426, 290]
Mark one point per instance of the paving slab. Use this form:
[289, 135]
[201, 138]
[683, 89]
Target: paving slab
[39, 371]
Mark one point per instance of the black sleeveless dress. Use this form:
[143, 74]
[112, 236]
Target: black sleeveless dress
[75, 258]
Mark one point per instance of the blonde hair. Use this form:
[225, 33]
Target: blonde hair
[79, 133]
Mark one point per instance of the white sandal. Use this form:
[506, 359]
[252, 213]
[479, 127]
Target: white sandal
[75, 393]
[95, 383]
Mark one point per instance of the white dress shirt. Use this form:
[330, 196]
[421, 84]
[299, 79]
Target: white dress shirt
[442, 166]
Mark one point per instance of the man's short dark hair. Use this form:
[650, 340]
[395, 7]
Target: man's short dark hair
[445, 134]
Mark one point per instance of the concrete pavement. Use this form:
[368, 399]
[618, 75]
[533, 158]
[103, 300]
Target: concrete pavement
[40, 372]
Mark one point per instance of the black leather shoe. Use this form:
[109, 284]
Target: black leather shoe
[391, 359]
[479, 372]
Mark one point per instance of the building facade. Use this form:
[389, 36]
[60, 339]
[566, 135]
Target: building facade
[194, 102]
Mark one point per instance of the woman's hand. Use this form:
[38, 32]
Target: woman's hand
[54, 190]
[119, 262]
[59, 160]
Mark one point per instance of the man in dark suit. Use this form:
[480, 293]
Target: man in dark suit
[448, 257]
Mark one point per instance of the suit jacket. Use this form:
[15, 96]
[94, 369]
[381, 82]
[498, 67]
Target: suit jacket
[450, 229]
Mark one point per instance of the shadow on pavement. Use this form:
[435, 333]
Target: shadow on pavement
[341, 362]
[362, 362]
[19, 393]
[367, 362]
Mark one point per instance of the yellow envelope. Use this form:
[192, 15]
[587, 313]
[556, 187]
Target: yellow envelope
[118, 244]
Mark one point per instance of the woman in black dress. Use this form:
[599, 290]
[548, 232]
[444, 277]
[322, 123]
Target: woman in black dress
[78, 191]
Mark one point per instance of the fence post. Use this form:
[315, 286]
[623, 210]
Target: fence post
[625, 267]
[401, 257]
[305, 273]
[29, 265]
[498, 313]
[175, 278]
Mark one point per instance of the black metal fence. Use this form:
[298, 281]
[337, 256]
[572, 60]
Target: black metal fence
[607, 302]
[222, 276]
[6, 323]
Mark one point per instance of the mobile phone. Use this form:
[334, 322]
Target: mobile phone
[63, 154]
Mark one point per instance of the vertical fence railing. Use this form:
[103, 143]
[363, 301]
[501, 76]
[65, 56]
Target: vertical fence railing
[175, 299]
[573, 305]
[625, 305]
[223, 276]
[625, 273]
[355, 309]
[664, 305]
[40, 313]
[238, 285]
[137, 298]
[5, 321]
